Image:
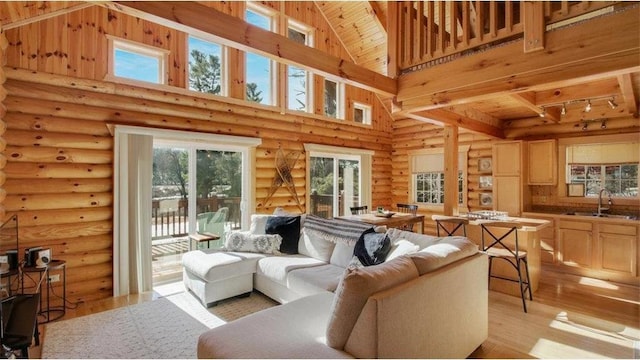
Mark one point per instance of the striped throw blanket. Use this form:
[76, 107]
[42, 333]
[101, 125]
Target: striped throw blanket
[335, 230]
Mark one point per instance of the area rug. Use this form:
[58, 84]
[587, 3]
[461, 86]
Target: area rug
[166, 328]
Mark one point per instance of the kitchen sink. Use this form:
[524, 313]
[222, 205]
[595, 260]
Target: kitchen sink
[612, 216]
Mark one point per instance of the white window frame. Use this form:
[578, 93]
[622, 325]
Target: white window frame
[309, 41]
[162, 55]
[343, 153]
[340, 102]
[366, 112]
[462, 166]
[224, 69]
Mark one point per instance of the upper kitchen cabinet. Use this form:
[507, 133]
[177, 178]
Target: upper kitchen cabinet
[507, 158]
[508, 176]
[543, 162]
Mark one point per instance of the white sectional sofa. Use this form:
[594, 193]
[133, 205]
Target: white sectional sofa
[429, 299]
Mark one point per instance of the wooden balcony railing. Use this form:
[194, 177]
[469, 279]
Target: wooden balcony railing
[424, 32]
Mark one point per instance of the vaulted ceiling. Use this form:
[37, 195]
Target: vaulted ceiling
[504, 112]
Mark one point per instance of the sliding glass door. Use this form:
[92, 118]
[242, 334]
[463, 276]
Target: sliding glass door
[335, 184]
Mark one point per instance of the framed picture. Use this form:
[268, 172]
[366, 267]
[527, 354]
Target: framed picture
[486, 182]
[575, 190]
[484, 165]
[486, 199]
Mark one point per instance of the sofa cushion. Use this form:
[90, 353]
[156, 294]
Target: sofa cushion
[212, 265]
[342, 254]
[308, 281]
[402, 247]
[246, 241]
[289, 228]
[447, 250]
[372, 247]
[276, 268]
[258, 223]
[315, 246]
[355, 288]
[421, 240]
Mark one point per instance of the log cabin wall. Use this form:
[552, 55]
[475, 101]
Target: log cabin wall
[410, 135]
[60, 153]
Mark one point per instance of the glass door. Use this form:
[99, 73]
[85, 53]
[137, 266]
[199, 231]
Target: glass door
[335, 184]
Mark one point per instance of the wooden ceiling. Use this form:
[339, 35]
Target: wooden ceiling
[362, 27]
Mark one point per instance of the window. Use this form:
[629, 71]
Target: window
[298, 80]
[259, 69]
[621, 179]
[612, 166]
[427, 180]
[333, 102]
[136, 61]
[205, 66]
[362, 113]
[339, 178]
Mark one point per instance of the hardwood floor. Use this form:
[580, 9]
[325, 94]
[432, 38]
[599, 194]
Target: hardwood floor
[570, 317]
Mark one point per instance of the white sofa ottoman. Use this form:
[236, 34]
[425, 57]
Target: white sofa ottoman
[214, 275]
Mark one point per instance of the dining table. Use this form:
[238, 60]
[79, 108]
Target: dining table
[395, 220]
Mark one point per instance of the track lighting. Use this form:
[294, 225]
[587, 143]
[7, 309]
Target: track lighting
[603, 124]
[612, 103]
[585, 126]
[588, 107]
[564, 109]
[543, 113]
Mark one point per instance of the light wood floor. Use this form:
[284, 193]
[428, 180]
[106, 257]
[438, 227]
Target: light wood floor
[570, 317]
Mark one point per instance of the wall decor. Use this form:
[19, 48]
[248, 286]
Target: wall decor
[486, 182]
[284, 165]
[484, 165]
[486, 199]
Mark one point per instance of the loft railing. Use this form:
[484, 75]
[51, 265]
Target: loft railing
[423, 32]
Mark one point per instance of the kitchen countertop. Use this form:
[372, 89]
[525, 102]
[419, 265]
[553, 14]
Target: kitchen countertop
[585, 216]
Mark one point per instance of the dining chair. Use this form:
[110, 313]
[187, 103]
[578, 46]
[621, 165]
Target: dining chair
[496, 248]
[451, 225]
[408, 209]
[357, 210]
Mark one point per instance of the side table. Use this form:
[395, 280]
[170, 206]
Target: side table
[55, 266]
[202, 237]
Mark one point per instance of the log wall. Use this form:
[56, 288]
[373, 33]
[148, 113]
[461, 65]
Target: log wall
[4, 44]
[410, 135]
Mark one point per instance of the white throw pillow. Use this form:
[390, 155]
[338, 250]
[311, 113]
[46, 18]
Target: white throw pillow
[402, 247]
[258, 243]
[315, 247]
[342, 254]
[258, 223]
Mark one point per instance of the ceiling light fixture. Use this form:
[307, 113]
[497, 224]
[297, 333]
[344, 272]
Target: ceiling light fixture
[564, 109]
[612, 103]
[543, 113]
[585, 126]
[587, 108]
[603, 124]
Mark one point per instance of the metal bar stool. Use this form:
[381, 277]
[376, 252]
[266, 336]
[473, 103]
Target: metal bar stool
[455, 223]
[408, 209]
[495, 248]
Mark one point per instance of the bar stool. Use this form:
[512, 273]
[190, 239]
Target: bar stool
[407, 209]
[495, 248]
[455, 223]
[357, 210]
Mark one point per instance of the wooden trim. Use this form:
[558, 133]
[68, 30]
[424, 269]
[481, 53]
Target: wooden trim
[626, 86]
[48, 15]
[534, 28]
[377, 12]
[231, 31]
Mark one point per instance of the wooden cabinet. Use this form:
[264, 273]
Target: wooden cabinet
[507, 177]
[575, 243]
[617, 249]
[543, 162]
[547, 237]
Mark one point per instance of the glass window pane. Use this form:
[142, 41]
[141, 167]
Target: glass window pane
[297, 88]
[259, 20]
[330, 98]
[322, 189]
[204, 66]
[348, 185]
[136, 66]
[297, 36]
[258, 79]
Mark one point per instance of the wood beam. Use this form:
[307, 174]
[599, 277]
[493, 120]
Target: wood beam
[48, 15]
[626, 86]
[573, 55]
[393, 34]
[451, 166]
[528, 100]
[231, 31]
[379, 15]
[534, 28]
[443, 117]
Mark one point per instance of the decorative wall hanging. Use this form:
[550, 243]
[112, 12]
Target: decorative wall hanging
[284, 166]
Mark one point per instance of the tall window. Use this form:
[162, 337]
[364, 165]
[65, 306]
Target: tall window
[259, 70]
[339, 178]
[362, 113]
[137, 61]
[298, 80]
[205, 66]
[333, 99]
[427, 180]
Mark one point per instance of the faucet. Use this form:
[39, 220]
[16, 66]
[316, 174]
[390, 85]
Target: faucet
[600, 208]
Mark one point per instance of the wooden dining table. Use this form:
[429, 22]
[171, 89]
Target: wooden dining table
[396, 220]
